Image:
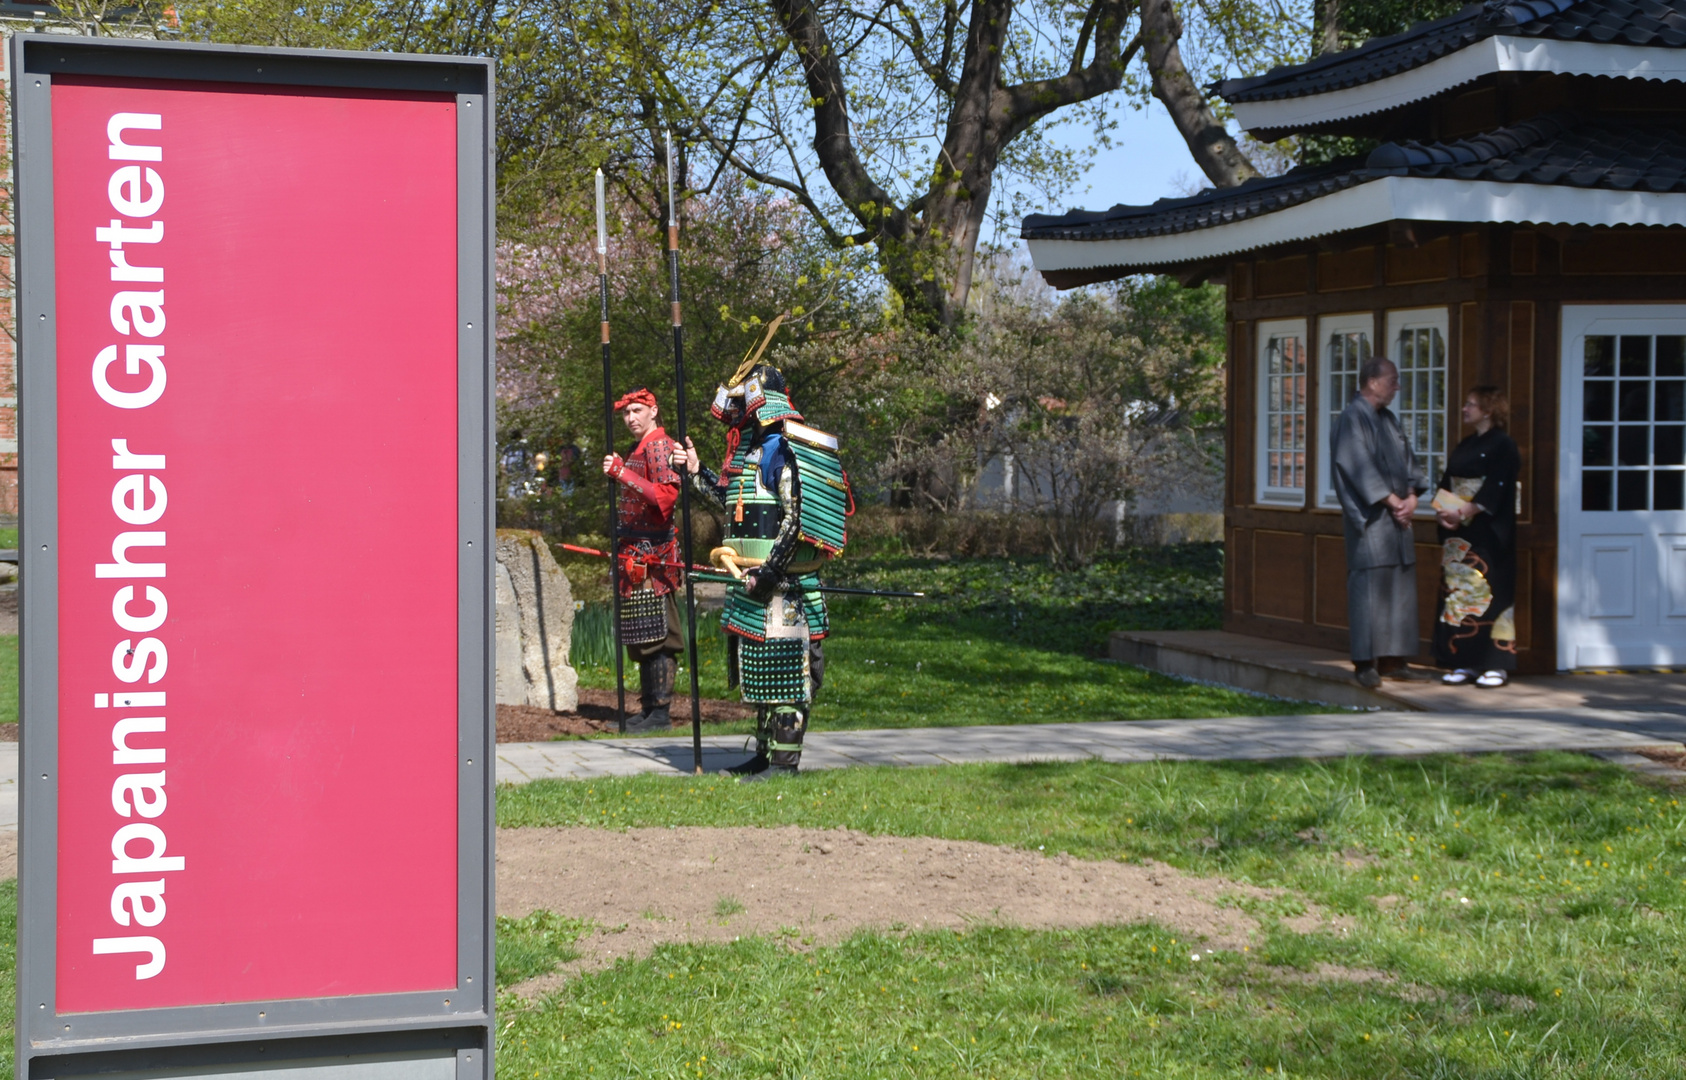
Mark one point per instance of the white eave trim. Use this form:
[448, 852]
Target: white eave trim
[1485, 57]
[1388, 198]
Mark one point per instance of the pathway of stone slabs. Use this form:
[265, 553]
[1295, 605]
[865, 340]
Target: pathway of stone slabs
[1225, 739]
[1610, 734]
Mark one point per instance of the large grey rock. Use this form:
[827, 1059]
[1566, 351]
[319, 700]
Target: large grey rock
[535, 620]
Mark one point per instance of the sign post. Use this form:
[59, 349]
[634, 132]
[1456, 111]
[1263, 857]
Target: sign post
[255, 310]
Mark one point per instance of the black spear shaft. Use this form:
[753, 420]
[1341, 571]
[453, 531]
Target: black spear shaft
[609, 448]
[685, 476]
[839, 589]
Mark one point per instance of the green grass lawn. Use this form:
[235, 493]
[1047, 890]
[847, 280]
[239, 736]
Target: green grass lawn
[1525, 911]
[8, 678]
[1000, 642]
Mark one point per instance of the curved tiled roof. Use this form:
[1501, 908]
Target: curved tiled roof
[1617, 22]
[1211, 207]
[1550, 150]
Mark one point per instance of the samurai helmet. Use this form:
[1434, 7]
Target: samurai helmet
[757, 393]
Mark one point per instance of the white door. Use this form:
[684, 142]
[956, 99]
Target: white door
[1621, 555]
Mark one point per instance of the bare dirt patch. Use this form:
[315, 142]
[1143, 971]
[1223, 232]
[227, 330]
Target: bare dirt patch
[1326, 973]
[1664, 755]
[1314, 921]
[8, 855]
[596, 716]
[646, 887]
[1355, 859]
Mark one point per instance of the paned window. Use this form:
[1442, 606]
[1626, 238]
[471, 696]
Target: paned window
[1282, 413]
[1419, 351]
[1344, 346]
[1633, 412]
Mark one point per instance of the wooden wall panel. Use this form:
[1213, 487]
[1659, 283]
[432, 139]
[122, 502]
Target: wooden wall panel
[1338, 271]
[1492, 363]
[1282, 277]
[1329, 590]
[1241, 281]
[1279, 569]
[1519, 385]
[1524, 599]
[1243, 413]
[1428, 589]
[1425, 262]
[1637, 252]
[1472, 254]
[1469, 336]
[1240, 558]
[1524, 252]
[1542, 648]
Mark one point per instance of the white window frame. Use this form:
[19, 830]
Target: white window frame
[1266, 493]
[1358, 322]
[1437, 318]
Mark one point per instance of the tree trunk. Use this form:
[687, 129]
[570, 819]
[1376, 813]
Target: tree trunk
[927, 249]
[1208, 140]
[1329, 28]
[979, 125]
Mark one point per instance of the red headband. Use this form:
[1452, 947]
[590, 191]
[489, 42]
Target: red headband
[640, 396]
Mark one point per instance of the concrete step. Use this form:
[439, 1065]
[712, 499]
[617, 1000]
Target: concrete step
[1287, 670]
[1257, 664]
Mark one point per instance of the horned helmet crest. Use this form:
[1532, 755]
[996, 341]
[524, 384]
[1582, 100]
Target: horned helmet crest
[757, 393]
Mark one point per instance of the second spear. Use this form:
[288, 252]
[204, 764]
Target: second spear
[684, 478]
[609, 448]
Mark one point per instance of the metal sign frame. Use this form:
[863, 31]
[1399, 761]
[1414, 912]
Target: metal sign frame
[338, 1036]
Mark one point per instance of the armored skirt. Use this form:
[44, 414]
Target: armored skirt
[1475, 626]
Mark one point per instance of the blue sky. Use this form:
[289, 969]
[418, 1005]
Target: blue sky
[1148, 160]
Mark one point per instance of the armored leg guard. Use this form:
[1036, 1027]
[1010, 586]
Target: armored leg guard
[655, 681]
[759, 762]
[789, 723]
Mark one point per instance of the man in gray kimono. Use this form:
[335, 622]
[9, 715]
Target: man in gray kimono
[1377, 481]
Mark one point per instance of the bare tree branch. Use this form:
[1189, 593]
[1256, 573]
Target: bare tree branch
[1208, 140]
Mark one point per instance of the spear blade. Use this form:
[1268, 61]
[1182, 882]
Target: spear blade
[609, 448]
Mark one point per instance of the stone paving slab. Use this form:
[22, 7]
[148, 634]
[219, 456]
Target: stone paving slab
[1235, 738]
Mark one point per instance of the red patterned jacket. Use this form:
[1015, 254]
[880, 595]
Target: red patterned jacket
[646, 539]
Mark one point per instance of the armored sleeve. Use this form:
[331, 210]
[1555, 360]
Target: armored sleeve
[660, 495]
[707, 484]
[790, 523]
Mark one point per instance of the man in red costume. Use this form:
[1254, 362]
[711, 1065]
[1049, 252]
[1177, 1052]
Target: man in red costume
[647, 555]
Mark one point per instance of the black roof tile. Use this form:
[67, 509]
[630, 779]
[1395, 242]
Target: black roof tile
[1623, 22]
[1558, 149]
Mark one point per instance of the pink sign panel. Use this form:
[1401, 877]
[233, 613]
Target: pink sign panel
[257, 355]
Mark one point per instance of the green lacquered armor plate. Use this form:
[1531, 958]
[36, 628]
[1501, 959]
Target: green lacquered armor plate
[825, 496]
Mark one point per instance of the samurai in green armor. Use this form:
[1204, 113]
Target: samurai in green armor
[786, 498]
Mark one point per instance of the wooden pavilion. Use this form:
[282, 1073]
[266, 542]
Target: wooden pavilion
[1522, 222]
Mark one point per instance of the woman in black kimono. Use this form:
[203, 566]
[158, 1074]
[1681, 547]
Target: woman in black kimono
[1475, 629]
